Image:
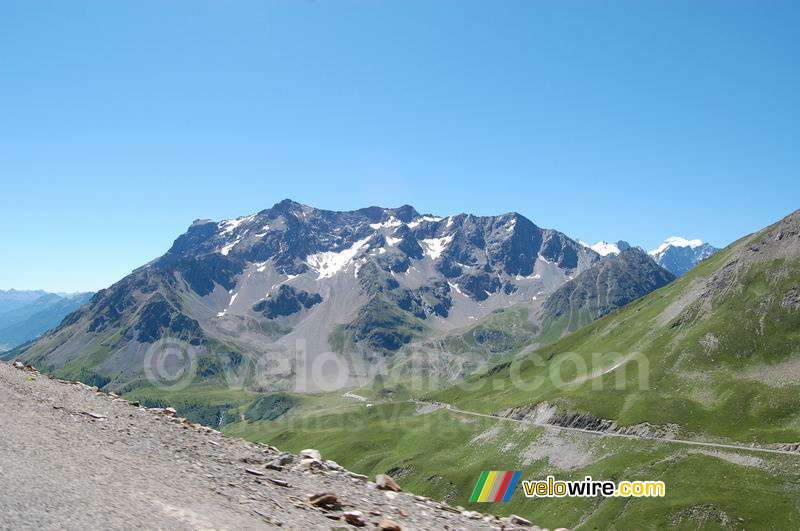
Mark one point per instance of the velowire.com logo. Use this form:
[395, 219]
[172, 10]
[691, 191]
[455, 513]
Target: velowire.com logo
[495, 486]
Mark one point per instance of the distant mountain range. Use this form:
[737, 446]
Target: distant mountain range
[25, 315]
[13, 299]
[677, 255]
[377, 282]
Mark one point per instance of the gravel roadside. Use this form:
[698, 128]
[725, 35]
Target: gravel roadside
[73, 458]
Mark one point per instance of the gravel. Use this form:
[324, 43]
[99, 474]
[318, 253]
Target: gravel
[75, 458]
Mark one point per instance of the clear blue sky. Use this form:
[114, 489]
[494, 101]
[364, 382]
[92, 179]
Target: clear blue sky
[123, 121]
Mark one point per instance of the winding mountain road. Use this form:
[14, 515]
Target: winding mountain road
[664, 440]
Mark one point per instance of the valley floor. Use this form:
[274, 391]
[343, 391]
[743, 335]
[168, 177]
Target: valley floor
[74, 459]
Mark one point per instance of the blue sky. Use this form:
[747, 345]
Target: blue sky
[121, 122]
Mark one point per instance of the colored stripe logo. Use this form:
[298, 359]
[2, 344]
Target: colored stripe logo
[494, 486]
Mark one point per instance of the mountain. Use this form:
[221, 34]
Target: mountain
[678, 255]
[370, 282]
[34, 312]
[609, 284]
[13, 299]
[700, 375]
[719, 345]
[604, 248]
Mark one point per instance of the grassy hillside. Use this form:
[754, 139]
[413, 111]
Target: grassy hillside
[718, 354]
[441, 454]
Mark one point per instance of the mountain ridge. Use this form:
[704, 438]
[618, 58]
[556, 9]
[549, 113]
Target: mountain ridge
[379, 279]
[610, 284]
[28, 314]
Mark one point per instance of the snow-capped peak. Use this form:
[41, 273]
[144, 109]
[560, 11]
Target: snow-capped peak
[604, 248]
[675, 241]
[227, 226]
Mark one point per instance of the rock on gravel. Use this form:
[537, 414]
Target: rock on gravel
[385, 482]
[355, 518]
[389, 525]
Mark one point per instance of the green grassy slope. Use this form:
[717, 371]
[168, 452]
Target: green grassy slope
[441, 454]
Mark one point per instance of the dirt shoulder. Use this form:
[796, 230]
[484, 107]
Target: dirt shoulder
[73, 458]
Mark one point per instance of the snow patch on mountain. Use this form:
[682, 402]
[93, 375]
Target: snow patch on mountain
[391, 222]
[328, 263]
[434, 247]
[229, 225]
[227, 248]
[455, 287]
[421, 219]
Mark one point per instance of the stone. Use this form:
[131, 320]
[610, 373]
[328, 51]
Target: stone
[311, 454]
[325, 500]
[445, 507]
[309, 463]
[518, 520]
[355, 518]
[333, 465]
[279, 482]
[170, 411]
[285, 459]
[385, 482]
[389, 525]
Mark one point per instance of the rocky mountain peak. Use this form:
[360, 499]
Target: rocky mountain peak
[678, 255]
[609, 284]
